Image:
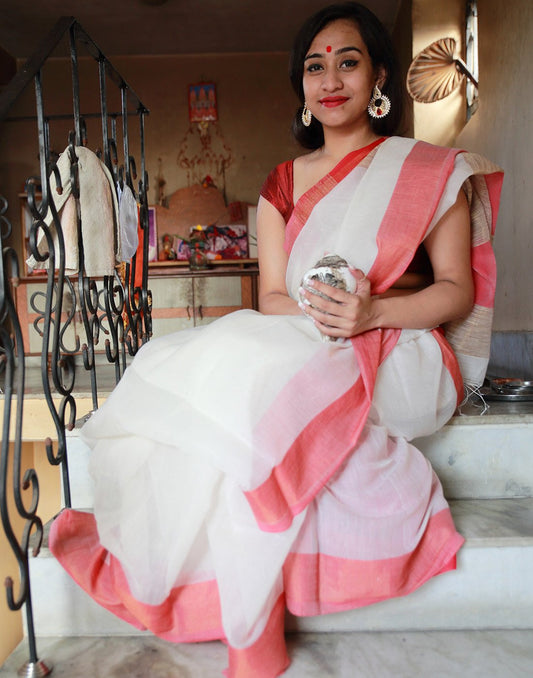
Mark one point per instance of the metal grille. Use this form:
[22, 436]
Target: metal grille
[113, 310]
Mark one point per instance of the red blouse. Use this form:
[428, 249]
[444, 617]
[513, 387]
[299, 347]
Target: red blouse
[278, 189]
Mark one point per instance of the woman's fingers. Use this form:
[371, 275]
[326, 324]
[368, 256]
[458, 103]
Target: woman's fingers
[335, 311]
[339, 314]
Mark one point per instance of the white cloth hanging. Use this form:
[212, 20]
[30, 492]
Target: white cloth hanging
[99, 217]
[128, 219]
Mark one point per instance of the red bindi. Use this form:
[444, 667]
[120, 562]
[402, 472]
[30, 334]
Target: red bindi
[328, 48]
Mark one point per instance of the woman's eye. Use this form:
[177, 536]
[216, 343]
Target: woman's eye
[311, 68]
[349, 63]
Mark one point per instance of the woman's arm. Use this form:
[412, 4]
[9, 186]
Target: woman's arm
[449, 297]
[273, 296]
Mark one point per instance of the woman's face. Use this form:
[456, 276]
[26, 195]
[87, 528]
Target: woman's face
[339, 76]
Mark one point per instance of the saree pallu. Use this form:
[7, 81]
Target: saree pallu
[249, 466]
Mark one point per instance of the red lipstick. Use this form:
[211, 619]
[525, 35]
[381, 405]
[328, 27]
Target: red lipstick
[331, 102]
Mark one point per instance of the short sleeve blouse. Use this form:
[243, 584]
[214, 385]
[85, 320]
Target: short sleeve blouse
[278, 189]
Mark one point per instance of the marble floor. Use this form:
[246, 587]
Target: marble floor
[446, 654]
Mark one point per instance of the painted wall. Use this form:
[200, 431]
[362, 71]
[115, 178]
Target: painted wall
[441, 121]
[402, 37]
[501, 129]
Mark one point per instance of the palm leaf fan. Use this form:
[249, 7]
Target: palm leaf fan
[435, 72]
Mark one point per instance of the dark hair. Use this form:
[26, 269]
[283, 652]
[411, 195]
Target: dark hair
[381, 51]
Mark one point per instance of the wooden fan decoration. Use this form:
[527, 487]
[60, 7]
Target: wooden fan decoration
[436, 72]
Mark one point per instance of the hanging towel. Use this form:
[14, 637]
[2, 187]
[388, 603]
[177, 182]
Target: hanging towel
[99, 217]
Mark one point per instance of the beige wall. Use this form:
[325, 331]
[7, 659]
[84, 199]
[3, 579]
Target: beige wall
[501, 129]
[441, 121]
[403, 42]
[255, 107]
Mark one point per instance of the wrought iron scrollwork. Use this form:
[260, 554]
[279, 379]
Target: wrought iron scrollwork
[113, 303]
[75, 311]
[12, 375]
[57, 366]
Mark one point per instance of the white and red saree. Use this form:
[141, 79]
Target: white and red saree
[248, 466]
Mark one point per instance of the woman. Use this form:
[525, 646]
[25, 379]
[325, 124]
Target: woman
[291, 483]
[339, 77]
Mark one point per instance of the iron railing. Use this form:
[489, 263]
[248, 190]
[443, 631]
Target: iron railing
[118, 305]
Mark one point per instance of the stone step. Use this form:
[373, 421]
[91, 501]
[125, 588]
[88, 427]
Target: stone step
[439, 654]
[491, 589]
[475, 457]
[483, 457]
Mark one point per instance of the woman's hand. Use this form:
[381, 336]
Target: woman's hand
[344, 314]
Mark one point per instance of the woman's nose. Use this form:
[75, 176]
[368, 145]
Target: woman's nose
[331, 80]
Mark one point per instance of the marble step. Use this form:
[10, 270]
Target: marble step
[491, 589]
[475, 457]
[483, 457]
[438, 654]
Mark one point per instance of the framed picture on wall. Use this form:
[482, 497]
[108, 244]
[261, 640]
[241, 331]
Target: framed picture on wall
[203, 102]
[152, 234]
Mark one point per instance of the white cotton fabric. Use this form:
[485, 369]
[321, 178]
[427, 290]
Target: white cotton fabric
[99, 217]
[128, 223]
